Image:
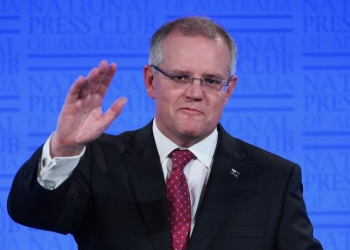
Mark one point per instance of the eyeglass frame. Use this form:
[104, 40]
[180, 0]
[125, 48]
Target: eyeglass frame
[191, 79]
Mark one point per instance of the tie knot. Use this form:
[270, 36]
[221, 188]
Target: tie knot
[181, 158]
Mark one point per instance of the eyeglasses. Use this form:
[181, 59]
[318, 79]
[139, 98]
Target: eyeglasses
[208, 84]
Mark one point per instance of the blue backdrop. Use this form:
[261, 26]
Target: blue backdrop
[292, 98]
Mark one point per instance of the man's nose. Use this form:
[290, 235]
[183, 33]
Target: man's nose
[195, 90]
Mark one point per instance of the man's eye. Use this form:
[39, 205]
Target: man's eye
[181, 78]
[212, 81]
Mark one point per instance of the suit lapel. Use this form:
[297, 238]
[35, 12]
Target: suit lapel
[147, 180]
[221, 190]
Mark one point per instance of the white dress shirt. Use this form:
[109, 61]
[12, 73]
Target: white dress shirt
[53, 171]
[196, 171]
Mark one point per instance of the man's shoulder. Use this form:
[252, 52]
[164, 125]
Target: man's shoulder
[124, 136]
[121, 141]
[258, 156]
[261, 153]
[108, 140]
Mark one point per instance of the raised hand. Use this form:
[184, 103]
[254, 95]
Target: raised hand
[81, 119]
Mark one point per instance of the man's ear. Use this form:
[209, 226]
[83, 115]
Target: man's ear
[230, 88]
[148, 78]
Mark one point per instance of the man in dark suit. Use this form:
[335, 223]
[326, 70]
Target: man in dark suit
[115, 192]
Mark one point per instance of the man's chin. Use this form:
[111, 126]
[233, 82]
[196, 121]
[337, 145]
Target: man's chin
[193, 132]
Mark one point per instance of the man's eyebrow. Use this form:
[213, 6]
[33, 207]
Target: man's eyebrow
[185, 72]
[214, 75]
[182, 72]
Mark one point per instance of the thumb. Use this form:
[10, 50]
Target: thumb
[113, 112]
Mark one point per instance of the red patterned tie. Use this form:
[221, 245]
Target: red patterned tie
[178, 199]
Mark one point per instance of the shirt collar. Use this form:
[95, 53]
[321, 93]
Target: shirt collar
[203, 150]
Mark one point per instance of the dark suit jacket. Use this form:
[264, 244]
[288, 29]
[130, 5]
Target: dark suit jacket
[115, 199]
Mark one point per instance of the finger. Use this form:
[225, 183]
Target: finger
[91, 83]
[118, 105]
[94, 78]
[99, 80]
[75, 90]
[114, 111]
[107, 79]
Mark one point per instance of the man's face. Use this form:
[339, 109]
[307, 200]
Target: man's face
[187, 116]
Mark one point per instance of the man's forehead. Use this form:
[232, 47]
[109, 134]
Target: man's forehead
[174, 40]
[197, 47]
[176, 34]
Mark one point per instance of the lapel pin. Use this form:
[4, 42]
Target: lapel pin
[235, 173]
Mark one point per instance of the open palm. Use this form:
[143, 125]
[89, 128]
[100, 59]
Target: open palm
[81, 119]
